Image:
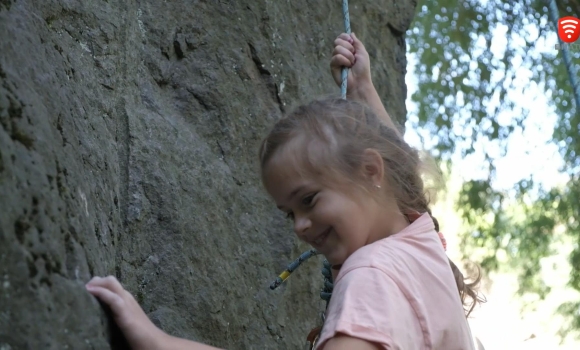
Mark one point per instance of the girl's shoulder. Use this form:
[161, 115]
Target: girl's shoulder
[410, 251]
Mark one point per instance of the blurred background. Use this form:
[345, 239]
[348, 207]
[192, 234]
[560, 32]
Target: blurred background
[489, 96]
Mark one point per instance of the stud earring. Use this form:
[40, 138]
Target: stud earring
[378, 186]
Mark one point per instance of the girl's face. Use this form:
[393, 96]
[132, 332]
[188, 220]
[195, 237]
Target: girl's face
[335, 222]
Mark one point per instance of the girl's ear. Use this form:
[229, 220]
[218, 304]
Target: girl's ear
[373, 167]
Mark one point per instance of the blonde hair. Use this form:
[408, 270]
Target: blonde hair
[347, 128]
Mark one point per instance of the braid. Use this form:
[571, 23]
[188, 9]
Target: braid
[466, 290]
[435, 221]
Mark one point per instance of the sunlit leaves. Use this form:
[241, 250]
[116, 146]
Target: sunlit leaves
[465, 70]
[475, 58]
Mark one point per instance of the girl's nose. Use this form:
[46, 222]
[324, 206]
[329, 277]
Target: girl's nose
[301, 225]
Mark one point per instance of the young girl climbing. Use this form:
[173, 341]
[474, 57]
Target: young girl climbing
[352, 186]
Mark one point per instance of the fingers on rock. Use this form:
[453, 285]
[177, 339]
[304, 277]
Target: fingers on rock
[114, 300]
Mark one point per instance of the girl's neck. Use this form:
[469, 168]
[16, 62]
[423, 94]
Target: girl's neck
[396, 225]
[390, 225]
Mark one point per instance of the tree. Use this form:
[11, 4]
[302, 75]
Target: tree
[468, 78]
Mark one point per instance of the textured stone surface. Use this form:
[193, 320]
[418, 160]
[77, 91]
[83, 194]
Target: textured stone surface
[128, 139]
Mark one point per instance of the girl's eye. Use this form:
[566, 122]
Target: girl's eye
[308, 200]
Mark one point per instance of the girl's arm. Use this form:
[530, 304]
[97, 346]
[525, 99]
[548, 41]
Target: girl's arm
[138, 329]
[350, 52]
[369, 95]
[344, 342]
[142, 334]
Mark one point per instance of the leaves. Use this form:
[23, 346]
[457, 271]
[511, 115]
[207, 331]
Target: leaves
[474, 58]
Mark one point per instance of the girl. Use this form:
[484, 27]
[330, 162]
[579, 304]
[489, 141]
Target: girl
[343, 173]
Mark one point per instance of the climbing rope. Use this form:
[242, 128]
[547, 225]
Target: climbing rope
[326, 291]
[328, 286]
[347, 28]
[553, 13]
[291, 267]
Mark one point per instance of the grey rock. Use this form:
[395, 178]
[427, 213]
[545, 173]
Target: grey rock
[128, 146]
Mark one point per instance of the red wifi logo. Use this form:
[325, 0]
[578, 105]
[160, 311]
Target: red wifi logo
[569, 29]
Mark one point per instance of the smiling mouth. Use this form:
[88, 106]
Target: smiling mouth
[320, 239]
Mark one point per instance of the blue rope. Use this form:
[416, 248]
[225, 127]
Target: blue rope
[326, 292]
[553, 13]
[293, 266]
[344, 69]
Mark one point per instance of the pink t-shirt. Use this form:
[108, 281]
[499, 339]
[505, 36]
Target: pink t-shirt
[399, 292]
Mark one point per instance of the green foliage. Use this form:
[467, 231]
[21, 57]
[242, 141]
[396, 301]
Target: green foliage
[467, 82]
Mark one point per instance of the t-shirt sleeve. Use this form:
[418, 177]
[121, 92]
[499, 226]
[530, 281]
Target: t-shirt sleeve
[367, 304]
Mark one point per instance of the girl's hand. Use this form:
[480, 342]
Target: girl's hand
[139, 331]
[350, 52]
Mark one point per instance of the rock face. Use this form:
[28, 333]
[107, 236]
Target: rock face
[128, 146]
